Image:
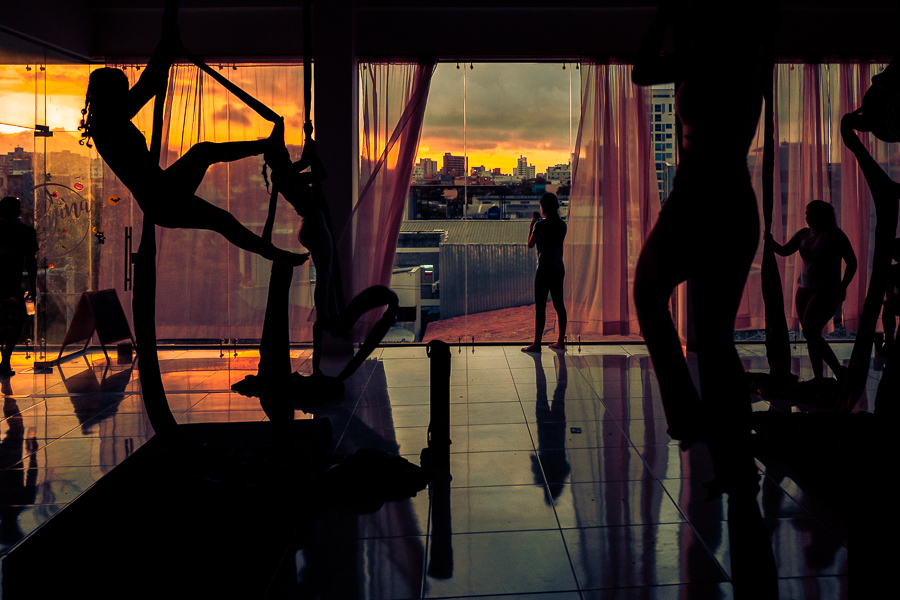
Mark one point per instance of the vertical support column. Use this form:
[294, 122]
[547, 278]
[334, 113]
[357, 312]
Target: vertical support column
[336, 96]
[436, 462]
[439, 426]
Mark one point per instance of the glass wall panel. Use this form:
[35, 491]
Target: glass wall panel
[89, 225]
[43, 165]
[496, 137]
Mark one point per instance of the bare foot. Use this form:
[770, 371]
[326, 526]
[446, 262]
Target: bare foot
[532, 348]
[558, 346]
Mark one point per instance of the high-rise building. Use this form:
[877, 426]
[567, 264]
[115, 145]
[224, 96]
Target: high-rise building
[429, 166]
[523, 170]
[454, 165]
[561, 174]
[662, 135]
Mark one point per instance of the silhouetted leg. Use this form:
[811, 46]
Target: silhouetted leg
[726, 401]
[541, 289]
[716, 295]
[188, 171]
[196, 213]
[662, 265]
[10, 328]
[556, 294]
[818, 309]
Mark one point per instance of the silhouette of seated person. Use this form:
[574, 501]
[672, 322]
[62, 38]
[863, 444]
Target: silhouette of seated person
[891, 306]
[166, 197]
[18, 246]
[303, 190]
[822, 247]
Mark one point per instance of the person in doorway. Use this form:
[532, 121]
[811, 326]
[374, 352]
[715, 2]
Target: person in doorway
[547, 232]
[18, 247]
[821, 290]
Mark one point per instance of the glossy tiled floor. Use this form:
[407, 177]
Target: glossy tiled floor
[564, 482]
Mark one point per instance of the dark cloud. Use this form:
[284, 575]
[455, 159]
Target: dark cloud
[238, 113]
[510, 109]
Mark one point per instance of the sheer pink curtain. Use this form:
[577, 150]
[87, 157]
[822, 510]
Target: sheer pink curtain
[207, 288]
[392, 98]
[613, 202]
[812, 163]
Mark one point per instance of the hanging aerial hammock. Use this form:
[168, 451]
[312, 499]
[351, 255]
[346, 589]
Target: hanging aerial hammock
[144, 288]
[303, 190]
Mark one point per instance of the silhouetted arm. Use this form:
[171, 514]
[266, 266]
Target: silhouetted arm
[154, 77]
[535, 217]
[789, 248]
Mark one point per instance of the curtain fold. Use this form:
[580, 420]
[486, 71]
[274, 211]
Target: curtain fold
[613, 202]
[393, 97]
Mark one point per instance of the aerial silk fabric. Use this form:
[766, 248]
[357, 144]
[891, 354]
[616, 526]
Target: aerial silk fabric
[208, 289]
[613, 202]
[392, 97]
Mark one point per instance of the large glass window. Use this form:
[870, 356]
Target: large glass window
[496, 136]
[88, 225]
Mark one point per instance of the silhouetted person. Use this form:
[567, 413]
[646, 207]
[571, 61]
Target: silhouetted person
[166, 197]
[550, 466]
[302, 189]
[708, 232]
[18, 481]
[891, 307]
[821, 290]
[547, 232]
[18, 246]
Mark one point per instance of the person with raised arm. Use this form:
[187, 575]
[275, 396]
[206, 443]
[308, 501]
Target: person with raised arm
[548, 232]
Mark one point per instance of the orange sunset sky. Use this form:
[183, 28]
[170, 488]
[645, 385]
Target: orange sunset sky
[493, 112]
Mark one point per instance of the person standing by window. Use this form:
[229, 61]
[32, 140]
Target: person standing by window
[821, 290]
[547, 232]
[18, 246]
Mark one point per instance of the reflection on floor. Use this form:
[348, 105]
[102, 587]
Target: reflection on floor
[564, 482]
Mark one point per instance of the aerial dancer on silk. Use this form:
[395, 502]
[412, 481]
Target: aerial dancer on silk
[166, 197]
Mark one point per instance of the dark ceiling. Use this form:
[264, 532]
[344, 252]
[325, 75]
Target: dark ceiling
[57, 30]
